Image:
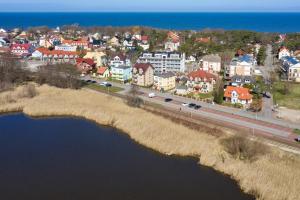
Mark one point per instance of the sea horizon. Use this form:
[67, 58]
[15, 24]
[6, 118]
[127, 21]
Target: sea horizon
[281, 22]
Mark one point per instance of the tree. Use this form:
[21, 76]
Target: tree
[132, 97]
[219, 92]
[261, 56]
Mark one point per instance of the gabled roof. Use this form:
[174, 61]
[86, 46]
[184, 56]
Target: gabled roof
[201, 74]
[242, 92]
[46, 51]
[212, 58]
[25, 46]
[88, 61]
[143, 66]
[101, 70]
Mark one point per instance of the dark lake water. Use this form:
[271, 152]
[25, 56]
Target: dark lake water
[73, 159]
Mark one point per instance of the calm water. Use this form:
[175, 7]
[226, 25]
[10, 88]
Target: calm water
[70, 159]
[263, 22]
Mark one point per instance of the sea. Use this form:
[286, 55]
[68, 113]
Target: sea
[260, 22]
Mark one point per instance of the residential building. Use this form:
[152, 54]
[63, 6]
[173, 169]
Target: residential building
[181, 90]
[242, 65]
[164, 61]
[164, 81]
[103, 72]
[291, 67]
[119, 60]
[203, 40]
[173, 42]
[143, 74]
[283, 52]
[56, 56]
[98, 56]
[211, 63]
[238, 95]
[201, 81]
[238, 80]
[85, 65]
[81, 43]
[65, 47]
[121, 73]
[22, 49]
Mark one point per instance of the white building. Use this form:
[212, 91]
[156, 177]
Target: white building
[283, 52]
[164, 61]
[211, 63]
[65, 47]
[243, 66]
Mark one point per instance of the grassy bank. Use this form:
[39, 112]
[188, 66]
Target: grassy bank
[272, 176]
[287, 94]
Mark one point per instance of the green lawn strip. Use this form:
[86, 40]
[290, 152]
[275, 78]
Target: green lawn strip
[297, 131]
[103, 88]
[289, 99]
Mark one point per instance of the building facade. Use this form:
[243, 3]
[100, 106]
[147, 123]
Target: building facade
[165, 81]
[143, 74]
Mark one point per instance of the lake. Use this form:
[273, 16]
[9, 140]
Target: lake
[262, 22]
[74, 159]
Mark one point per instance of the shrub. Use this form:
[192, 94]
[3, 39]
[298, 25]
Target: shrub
[243, 148]
[29, 91]
[132, 98]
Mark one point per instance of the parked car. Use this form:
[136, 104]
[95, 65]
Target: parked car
[151, 95]
[94, 81]
[105, 84]
[88, 81]
[266, 95]
[168, 100]
[185, 104]
[197, 107]
[297, 139]
[192, 105]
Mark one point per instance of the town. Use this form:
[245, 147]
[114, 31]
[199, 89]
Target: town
[257, 73]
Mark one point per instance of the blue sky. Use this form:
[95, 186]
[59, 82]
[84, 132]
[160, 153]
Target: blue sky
[151, 5]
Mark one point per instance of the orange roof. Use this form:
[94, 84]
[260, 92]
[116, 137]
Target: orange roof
[101, 70]
[81, 41]
[203, 39]
[201, 74]
[173, 36]
[46, 51]
[242, 92]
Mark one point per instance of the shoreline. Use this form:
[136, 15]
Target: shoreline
[270, 177]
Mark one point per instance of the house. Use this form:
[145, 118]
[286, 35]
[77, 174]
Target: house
[65, 47]
[238, 95]
[242, 65]
[201, 81]
[114, 42]
[144, 42]
[103, 72]
[291, 67]
[173, 42]
[4, 42]
[164, 61]
[85, 65]
[98, 56]
[283, 52]
[211, 63]
[80, 43]
[238, 80]
[181, 90]
[121, 73]
[56, 56]
[143, 74]
[164, 81]
[22, 49]
[119, 60]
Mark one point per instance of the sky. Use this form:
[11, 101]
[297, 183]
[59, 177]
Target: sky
[150, 5]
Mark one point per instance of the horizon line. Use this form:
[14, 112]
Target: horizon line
[77, 11]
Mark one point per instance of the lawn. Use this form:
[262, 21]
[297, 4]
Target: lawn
[287, 94]
[103, 88]
[297, 131]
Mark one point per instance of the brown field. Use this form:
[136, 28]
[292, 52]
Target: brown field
[273, 176]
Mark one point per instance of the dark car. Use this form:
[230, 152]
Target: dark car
[94, 81]
[108, 85]
[197, 107]
[88, 81]
[168, 100]
[265, 95]
[192, 105]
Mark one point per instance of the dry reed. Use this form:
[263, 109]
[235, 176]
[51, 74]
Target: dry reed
[272, 176]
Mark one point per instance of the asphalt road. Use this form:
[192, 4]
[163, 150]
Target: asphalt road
[239, 118]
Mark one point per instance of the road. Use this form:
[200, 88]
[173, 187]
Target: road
[230, 116]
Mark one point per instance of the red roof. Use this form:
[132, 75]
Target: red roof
[201, 74]
[145, 38]
[143, 66]
[46, 51]
[25, 46]
[85, 60]
[203, 39]
[101, 70]
[242, 92]
[173, 36]
[76, 42]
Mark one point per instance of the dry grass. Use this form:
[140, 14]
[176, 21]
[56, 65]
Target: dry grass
[272, 176]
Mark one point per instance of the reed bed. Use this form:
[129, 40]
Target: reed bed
[272, 176]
